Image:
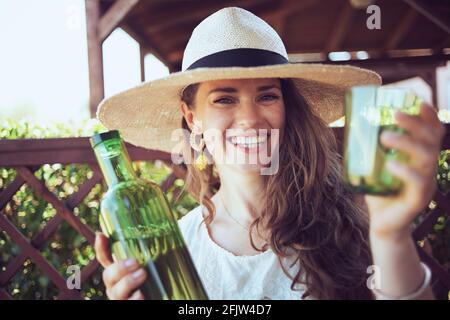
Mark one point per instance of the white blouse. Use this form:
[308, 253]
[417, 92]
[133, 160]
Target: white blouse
[227, 276]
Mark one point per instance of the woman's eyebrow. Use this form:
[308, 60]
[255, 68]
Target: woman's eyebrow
[234, 90]
[264, 88]
[227, 90]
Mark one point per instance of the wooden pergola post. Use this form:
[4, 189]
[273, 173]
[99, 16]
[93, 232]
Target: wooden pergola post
[95, 56]
[430, 78]
[142, 53]
[99, 27]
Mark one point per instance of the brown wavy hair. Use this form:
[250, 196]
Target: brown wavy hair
[309, 211]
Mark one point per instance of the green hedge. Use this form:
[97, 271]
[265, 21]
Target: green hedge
[30, 213]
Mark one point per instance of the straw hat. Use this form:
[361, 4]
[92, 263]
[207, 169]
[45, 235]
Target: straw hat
[232, 43]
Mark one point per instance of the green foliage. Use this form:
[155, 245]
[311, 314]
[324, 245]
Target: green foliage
[440, 236]
[440, 241]
[30, 214]
[443, 174]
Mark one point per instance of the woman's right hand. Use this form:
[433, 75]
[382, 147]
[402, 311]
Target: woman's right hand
[122, 278]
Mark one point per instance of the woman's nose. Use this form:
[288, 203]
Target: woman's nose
[248, 114]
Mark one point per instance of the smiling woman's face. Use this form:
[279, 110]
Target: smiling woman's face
[232, 114]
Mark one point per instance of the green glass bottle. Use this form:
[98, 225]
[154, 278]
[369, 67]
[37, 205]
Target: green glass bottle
[139, 223]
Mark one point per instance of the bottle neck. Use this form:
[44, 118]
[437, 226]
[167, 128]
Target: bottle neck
[114, 162]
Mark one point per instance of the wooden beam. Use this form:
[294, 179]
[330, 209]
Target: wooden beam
[176, 56]
[395, 69]
[437, 269]
[401, 30]
[4, 295]
[287, 9]
[148, 45]
[191, 15]
[8, 192]
[95, 56]
[142, 53]
[177, 42]
[444, 43]
[340, 28]
[113, 17]
[280, 25]
[420, 62]
[31, 152]
[425, 227]
[433, 15]
[277, 18]
[177, 38]
[181, 28]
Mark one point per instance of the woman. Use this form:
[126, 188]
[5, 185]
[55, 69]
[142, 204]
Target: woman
[286, 228]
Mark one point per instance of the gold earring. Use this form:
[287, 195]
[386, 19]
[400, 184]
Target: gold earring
[202, 161]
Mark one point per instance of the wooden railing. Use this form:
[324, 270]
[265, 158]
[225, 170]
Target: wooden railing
[28, 155]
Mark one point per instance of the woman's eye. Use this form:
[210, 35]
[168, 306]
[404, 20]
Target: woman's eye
[224, 101]
[269, 97]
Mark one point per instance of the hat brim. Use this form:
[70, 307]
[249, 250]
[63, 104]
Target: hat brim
[148, 114]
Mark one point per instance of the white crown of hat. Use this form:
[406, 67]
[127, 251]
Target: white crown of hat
[231, 28]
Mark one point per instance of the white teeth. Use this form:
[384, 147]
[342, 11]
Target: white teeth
[248, 141]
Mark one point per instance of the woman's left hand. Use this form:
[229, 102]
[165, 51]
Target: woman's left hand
[391, 216]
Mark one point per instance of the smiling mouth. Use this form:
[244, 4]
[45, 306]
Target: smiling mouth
[248, 142]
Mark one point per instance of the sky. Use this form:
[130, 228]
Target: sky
[44, 64]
